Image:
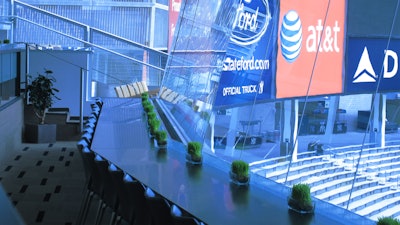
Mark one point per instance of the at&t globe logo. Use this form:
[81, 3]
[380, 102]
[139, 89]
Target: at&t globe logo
[291, 36]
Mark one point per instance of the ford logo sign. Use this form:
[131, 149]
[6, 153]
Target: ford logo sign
[251, 22]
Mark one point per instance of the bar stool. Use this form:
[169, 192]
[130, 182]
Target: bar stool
[95, 106]
[88, 129]
[88, 137]
[91, 125]
[125, 208]
[159, 208]
[91, 121]
[109, 193]
[94, 182]
[134, 208]
[181, 217]
[95, 114]
[99, 102]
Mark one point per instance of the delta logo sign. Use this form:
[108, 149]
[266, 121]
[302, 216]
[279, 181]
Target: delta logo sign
[310, 44]
[372, 65]
[248, 67]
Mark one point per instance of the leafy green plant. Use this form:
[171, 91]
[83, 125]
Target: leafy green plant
[387, 221]
[241, 169]
[41, 93]
[151, 115]
[145, 96]
[194, 150]
[148, 107]
[161, 137]
[154, 124]
[301, 192]
[300, 198]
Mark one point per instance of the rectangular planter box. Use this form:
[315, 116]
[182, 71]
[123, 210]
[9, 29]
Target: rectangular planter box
[40, 133]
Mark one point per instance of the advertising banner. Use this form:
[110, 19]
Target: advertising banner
[372, 62]
[249, 65]
[310, 43]
[174, 8]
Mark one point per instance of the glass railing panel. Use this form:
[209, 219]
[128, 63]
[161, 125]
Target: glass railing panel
[129, 48]
[114, 61]
[41, 35]
[109, 70]
[115, 17]
[48, 20]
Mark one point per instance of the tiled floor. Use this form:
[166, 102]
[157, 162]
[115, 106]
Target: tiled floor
[45, 182]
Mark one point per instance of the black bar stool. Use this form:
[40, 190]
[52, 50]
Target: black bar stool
[159, 208]
[181, 217]
[109, 193]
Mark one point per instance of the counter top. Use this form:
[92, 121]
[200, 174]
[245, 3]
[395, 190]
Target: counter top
[205, 191]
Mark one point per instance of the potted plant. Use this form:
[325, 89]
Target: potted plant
[151, 115]
[193, 152]
[154, 124]
[387, 221]
[161, 139]
[300, 199]
[42, 95]
[239, 173]
[145, 96]
[148, 107]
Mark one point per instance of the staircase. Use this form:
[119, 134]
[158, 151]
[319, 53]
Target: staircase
[68, 128]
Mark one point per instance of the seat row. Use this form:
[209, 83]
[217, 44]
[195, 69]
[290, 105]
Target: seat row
[131, 90]
[129, 200]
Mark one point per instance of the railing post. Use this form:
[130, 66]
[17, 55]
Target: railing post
[81, 100]
[12, 16]
[88, 35]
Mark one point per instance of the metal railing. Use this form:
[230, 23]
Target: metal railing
[115, 60]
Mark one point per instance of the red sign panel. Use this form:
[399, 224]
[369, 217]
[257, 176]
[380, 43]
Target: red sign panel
[174, 8]
[310, 46]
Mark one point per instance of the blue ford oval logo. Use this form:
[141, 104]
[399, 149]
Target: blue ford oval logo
[251, 22]
[291, 36]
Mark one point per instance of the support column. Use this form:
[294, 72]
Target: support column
[379, 121]
[231, 134]
[289, 128]
[211, 123]
[382, 141]
[331, 119]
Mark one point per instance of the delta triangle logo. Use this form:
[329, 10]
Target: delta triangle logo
[365, 72]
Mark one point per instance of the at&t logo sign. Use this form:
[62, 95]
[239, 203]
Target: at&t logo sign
[291, 36]
[319, 37]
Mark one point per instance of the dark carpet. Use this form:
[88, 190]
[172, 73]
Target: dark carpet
[45, 182]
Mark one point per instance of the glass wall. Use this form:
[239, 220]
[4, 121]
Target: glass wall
[296, 98]
[9, 61]
[192, 75]
[127, 19]
[121, 35]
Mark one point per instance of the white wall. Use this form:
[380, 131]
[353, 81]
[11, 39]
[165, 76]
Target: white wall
[66, 66]
[11, 129]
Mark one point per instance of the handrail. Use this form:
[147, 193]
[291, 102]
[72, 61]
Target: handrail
[128, 41]
[51, 14]
[90, 29]
[90, 44]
